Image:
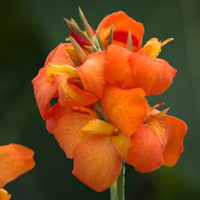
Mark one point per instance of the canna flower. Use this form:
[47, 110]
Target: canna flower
[101, 115]
[59, 78]
[141, 136]
[158, 141]
[141, 69]
[96, 146]
[14, 160]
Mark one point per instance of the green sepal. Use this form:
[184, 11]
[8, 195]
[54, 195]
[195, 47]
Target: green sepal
[129, 44]
[110, 37]
[74, 22]
[75, 61]
[85, 24]
[78, 49]
[100, 42]
[78, 31]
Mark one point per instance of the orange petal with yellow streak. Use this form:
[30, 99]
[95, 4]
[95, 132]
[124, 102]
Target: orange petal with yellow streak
[174, 147]
[4, 195]
[58, 112]
[117, 69]
[14, 160]
[121, 143]
[145, 153]
[126, 108]
[122, 24]
[71, 95]
[44, 92]
[154, 76]
[96, 162]
[161, 129]
[67, 131]
[91, 71]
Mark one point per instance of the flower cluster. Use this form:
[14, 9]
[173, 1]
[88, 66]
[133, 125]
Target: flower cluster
[100, 80]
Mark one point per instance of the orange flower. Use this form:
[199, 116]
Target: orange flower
[96, 146]
[111, 86]
[122, 24]
[14, 160]
[129, 70]
[158, 141]
[143, 138]
[59, 78]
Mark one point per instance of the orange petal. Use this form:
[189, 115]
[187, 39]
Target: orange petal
[4, 195]
[92, 71]
[154, 76]
[66, 132]
[174, 147]
[126, 108]
[122, 24]
[14, 160]
[44, 92]
[62, 57]
[71, 95]
[118, 70]
[145, 153]
[49, 57]
[57, 113]
[96, 162]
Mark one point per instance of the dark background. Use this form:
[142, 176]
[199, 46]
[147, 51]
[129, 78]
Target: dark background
[31, 29]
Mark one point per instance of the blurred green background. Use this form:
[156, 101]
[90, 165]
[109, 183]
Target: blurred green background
[31, 29]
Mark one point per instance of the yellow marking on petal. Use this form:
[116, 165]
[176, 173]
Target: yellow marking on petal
[69, 81]
[62, 70]
[56, 69]
[158, 128]
[98, 126]
[153, 47]
[50, 78]
[121, 143]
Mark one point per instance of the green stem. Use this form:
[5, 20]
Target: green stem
[113, 192]
[121, 182]
[117, 189]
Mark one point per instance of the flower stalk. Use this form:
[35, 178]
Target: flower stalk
[117, 189]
